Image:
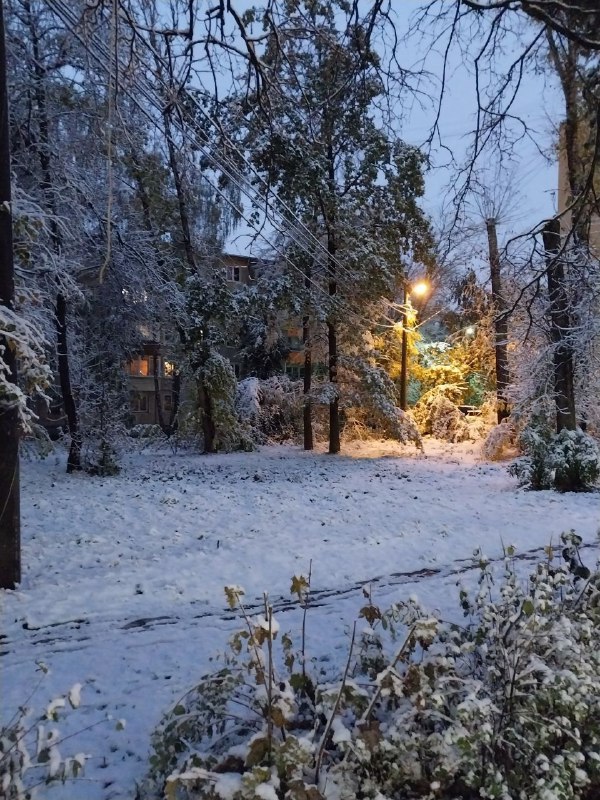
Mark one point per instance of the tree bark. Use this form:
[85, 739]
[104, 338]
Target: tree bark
[307, 406]
[62, 339]
[334, 408]
[560, 328]
[10, 518]
[306, 341]
[208, 425]
[500, 323]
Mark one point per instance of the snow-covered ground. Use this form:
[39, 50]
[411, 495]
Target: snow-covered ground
[123, 577]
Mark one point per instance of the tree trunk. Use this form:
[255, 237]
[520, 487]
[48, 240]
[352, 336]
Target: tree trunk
[208, 424]
[306, 341]
[64, 375]
[170, 427]
[334, 409]
[307, 407]
[500, 323]
[10, 519]
[560, 328]
[62, 339]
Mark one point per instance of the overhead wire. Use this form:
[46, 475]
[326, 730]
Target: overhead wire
[98, 50]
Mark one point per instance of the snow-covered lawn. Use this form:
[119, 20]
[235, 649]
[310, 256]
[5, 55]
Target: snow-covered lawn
[123, 577]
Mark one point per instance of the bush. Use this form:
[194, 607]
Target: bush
[505, 705]
[568, 461]
[575, 459]
[438, 416]
[500, 441]
[29, 749]
[271, 409]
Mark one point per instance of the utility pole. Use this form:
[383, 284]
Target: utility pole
[404, 351]
[10, 520]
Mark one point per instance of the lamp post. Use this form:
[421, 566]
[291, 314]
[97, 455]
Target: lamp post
[419, 289]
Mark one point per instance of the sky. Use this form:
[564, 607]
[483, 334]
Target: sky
[534, 176]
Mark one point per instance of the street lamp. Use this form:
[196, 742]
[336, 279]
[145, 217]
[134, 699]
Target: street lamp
[420, 289]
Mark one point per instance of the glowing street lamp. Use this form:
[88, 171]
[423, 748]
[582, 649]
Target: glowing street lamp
[419, 289]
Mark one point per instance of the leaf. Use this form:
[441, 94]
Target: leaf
[233, 595]
[257, 751]
[370, 613]
[179, 710]
[299, 586]
[277, 717]
[528, 608]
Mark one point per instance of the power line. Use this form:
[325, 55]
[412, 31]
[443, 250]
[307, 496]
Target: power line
[101, 54]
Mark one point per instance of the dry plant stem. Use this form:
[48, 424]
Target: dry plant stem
[269, 617]
[321, 750]
[304, 610]
[387, 671]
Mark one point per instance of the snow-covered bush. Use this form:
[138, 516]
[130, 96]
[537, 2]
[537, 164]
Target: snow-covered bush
[370, 403]
[533, 469]
[27, 341]
[271, 409]
[29, 750]
[504, 705]
[568, 461]
[500, 441]
[575, 458]
[437, 415]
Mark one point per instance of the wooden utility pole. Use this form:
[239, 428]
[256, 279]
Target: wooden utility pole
[10, 522]
[500, 322]
[560, 329]
[404, 351]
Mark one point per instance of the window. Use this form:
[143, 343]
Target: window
[233, 274]
[293, 342]
[294, 372]
[139, 366]
[169, 368]
[167, 402]
[139, 402]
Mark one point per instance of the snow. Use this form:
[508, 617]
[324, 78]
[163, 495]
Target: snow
[122, 594]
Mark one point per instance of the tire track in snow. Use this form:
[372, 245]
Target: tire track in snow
[75, 633]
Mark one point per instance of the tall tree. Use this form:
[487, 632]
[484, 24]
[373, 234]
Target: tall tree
[10, 521]
[346, 187]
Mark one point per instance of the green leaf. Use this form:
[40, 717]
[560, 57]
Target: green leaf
[179, 710]
[528, 608]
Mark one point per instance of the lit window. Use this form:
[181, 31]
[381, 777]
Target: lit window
[169, 368]
[139, 366]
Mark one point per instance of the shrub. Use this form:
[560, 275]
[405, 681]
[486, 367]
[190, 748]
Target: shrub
[29, 749]
[271, 409]
[575, 459]
[568, 461]
[500, 441]
[438, 416]
[505, 705]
